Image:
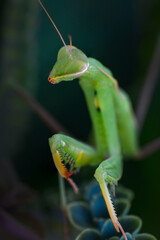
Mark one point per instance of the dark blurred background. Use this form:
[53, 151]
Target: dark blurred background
[120, 34]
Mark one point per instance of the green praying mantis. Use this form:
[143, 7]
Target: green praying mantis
[113, 121]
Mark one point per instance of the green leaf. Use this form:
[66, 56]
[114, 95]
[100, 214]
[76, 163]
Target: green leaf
[92, 189]
[122, 192]
[122, 207]
[129, 237]
[130, 224]
[99, 222]
[108, 230]
[145, 236]
[89, 234]
[98, 207]
[79, 214]
[114, 238]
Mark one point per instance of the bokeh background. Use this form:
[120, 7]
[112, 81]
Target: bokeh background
[122, 35]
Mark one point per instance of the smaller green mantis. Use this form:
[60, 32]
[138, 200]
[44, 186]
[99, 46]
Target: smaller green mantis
[112, 118]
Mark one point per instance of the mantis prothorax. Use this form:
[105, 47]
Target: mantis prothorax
[112, 118]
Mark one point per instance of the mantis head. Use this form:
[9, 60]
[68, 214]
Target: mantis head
[71, 63]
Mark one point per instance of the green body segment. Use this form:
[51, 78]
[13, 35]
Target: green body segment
[126, 124]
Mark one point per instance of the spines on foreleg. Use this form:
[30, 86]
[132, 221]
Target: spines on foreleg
[103, 180]
[69, 155]
[109, 172]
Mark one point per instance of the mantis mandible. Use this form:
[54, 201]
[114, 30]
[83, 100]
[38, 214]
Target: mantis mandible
[112, 119]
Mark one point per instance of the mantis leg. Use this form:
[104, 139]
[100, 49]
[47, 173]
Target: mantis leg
[69, 155]
[110, 170]
[106, 174]
[126, 124]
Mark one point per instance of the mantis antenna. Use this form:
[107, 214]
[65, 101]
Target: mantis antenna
[70, 40]
[53, 24]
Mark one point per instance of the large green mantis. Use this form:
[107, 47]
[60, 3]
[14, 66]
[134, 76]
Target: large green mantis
[112, 118]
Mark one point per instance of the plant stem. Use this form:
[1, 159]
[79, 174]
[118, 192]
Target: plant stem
[149, 149]
[45, 116]
[148, 87]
